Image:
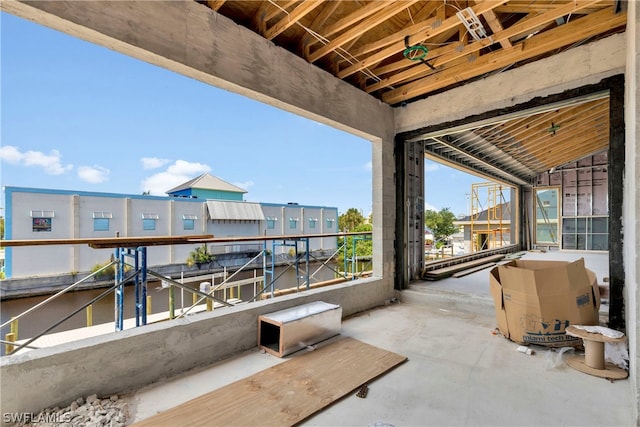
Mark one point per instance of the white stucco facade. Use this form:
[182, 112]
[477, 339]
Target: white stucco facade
[41, 214]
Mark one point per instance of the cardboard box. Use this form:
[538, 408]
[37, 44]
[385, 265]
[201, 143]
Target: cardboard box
[536, 300]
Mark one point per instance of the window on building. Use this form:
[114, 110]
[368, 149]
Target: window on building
[547, 214]
[101, 221]
[293, 223]
[41, 220]
[312, 222]
[149, 221]
[271, 222]
[330, 222]
[189, 222]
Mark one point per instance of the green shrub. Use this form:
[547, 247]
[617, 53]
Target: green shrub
[200, 255]
[107, 273]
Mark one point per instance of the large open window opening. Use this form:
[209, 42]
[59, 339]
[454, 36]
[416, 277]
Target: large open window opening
[111, 132]
[561, 157]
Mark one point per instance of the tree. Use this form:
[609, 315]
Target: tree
[350, 220]
[363, 245]
[2, 227]
[441, 224]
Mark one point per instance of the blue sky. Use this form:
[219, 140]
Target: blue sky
[77, 116]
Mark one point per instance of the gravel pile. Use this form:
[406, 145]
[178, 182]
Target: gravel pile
[92, 412]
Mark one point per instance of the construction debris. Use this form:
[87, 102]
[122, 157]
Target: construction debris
[442, 273]
[94, 412]
[362, 393]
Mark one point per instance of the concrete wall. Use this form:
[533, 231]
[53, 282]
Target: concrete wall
[128, 360]
[631, 204]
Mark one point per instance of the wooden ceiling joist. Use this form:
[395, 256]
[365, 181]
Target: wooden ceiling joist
[215, 5]
[349, 20]
[357, 30]
[538, 6]
[450, 53]
[416, 35]
[437, 40]
[292, 18]
[539, 124]
[308, 39]
[496, 27]
[422, 24]
[572, 32]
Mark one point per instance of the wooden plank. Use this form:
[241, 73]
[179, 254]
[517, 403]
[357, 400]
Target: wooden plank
[287, 393]
[112, 242]
[472, 270]
[115, 242]
[441, 273]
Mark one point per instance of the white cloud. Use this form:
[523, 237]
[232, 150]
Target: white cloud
[182, 167]
[428, 206]
[368, 166]
[50, 163]
[93, 174]
[153, 162]
[431, 167]
[10, 154]
[178, 173]
[244, 185]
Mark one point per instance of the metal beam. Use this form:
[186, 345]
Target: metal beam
[498, 170]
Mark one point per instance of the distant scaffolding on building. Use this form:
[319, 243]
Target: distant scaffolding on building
[489, 208]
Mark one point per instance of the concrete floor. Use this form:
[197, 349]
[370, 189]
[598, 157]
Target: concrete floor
[458, 372]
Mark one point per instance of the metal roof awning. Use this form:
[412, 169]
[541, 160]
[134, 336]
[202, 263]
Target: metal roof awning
[239, 211]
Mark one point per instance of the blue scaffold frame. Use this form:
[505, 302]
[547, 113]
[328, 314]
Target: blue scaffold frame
[269, 274]
[139, 256]
[353, 258]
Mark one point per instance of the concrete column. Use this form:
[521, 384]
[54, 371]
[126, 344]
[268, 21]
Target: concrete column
[631, 206]
[384, 207]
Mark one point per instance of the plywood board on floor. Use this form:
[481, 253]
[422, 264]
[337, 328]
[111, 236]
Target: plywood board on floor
[287, 393]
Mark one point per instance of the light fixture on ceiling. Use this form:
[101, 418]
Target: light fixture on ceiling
[472, 23]
[554, 128]
[416, 52]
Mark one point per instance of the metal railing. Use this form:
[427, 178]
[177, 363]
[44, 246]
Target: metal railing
[19, 346]
[140, 270]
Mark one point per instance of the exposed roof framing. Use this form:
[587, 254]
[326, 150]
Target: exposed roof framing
[364, 42]
[516, 150]
[404, 50]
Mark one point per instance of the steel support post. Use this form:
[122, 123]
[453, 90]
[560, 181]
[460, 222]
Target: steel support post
[119, 299]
